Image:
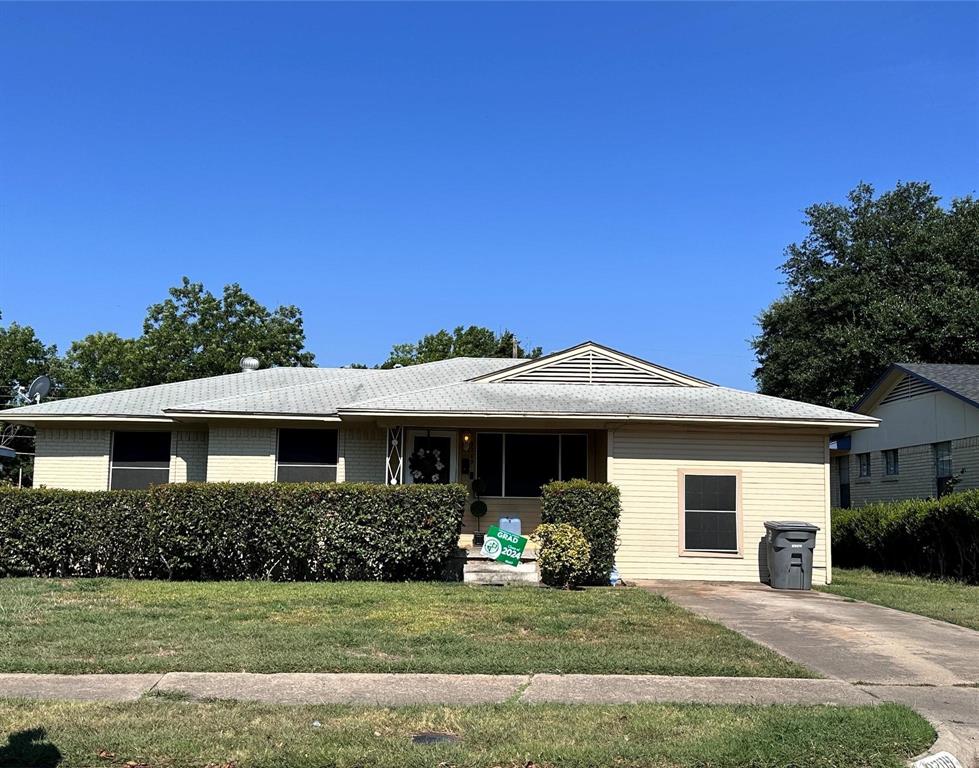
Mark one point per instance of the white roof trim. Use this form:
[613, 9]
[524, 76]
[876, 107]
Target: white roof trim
[676, 377]
[855, 424]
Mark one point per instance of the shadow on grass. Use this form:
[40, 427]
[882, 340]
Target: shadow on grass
[29, 748]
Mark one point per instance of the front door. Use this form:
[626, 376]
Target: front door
[431, 456]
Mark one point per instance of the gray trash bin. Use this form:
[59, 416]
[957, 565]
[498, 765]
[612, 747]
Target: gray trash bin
[790, 545]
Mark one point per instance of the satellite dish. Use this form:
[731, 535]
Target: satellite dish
[39, 388]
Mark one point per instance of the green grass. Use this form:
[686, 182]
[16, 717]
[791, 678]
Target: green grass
[944, 600]
[105, 625]
[164, 734]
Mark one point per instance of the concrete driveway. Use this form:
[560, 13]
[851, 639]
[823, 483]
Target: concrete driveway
[895, 656]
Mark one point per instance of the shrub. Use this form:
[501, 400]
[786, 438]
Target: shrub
[929, 537]
[592, 508]
[563, 555]
[233, 531]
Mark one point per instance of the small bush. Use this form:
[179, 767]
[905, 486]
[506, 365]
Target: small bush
[592, 508]
[233, 531]
[928, 537]
[563, 555]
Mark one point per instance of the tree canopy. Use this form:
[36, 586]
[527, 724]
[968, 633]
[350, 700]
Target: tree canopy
[473, 341]
[881, 279]
[191, 334]
[23, 357]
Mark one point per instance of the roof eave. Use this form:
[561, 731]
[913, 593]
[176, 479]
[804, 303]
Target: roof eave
[619, 417]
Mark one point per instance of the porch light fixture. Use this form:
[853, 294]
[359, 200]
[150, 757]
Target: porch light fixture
[467, 441]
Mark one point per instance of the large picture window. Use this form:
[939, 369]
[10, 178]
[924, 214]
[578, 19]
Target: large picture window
[139, 460]
[710, 513]
[519, 463]
[307, 456]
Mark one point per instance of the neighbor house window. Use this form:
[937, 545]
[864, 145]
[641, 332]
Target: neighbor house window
[139, 459]
[943, 466]
[710, 513]
[864, 459]
[307, 456]
[843, 470]
[518, 464]
[891, 464]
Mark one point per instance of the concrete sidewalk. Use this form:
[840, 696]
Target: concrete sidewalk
[933, 702]
[930, 665]
[405, 689]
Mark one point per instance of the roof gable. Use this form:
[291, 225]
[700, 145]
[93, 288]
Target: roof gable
[906, 380]
[591, 363]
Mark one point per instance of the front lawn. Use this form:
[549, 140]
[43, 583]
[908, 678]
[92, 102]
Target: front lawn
[949, 601]
[106, 625]
[155, 733]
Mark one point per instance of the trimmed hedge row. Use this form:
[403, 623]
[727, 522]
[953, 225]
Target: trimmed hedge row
[928, 537]
[212, 531]
[592, 508]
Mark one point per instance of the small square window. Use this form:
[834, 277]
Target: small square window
[891, 464]
[864, 460]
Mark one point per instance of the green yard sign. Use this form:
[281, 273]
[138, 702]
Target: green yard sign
[503, 546]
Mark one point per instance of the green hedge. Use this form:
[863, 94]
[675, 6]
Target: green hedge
[929, 537]
[233, 531]
[592, 508]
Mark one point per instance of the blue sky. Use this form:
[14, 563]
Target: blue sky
[628, 173]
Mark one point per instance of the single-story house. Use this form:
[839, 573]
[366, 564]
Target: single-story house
[927, 443]
[700, 467]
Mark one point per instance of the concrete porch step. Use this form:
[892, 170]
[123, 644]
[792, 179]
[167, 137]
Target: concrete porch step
[489, 572]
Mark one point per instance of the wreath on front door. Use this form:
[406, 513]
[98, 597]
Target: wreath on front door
[426, 466]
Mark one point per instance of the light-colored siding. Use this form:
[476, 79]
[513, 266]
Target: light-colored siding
[241, 455]
[76, 459]
[921, 420]
[784, 476]
[363, 452]
[188, 456]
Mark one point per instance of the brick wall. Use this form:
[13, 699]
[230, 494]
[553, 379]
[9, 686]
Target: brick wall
[241, 454]
[916, 478]
[77, 459]
[188, 456]
[363, 452]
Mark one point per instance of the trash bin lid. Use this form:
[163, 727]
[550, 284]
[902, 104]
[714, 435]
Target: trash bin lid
[790, 525]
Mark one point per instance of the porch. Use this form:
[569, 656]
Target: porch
[503, 466]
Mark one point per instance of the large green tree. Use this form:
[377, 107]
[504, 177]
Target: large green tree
[883, 278]
[101, 362]
[473, 341]
[23, 357]
[194, 333]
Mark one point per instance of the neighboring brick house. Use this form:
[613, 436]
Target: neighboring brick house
[700, 467]
[927, 442]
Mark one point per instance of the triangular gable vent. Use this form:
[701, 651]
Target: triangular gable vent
[590, 367]
[908, 387]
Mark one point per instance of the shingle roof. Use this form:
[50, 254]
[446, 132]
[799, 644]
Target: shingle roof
[329, 394]
[444, 387]
[271, 390]
[600, 401]
[960, 380]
